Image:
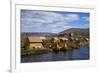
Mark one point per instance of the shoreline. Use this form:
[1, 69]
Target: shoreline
[45, 50]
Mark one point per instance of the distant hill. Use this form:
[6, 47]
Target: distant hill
[76, 31]
[46, 34]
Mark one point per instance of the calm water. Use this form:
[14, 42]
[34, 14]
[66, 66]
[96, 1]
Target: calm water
[77, 54]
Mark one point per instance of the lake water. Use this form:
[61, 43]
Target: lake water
[76, 54]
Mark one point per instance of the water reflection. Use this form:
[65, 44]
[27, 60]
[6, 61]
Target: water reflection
[77, 54]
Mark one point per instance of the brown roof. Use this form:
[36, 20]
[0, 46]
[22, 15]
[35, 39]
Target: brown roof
[34, 39]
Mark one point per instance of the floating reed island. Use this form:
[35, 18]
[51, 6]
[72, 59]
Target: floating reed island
[41, 44]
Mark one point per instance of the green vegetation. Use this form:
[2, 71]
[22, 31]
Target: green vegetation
[24, 42]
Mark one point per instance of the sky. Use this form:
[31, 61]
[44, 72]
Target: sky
[52, 21]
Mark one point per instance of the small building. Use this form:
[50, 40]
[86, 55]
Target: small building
[63, 38]
[35, 42]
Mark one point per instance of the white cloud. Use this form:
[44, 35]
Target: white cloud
[46, 17]
[40, 17]
[46, 21]
[72, 17]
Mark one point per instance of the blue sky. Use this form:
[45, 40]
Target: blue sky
[52, 21]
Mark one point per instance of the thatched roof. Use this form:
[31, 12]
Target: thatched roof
[34, 39]
[63, 38]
